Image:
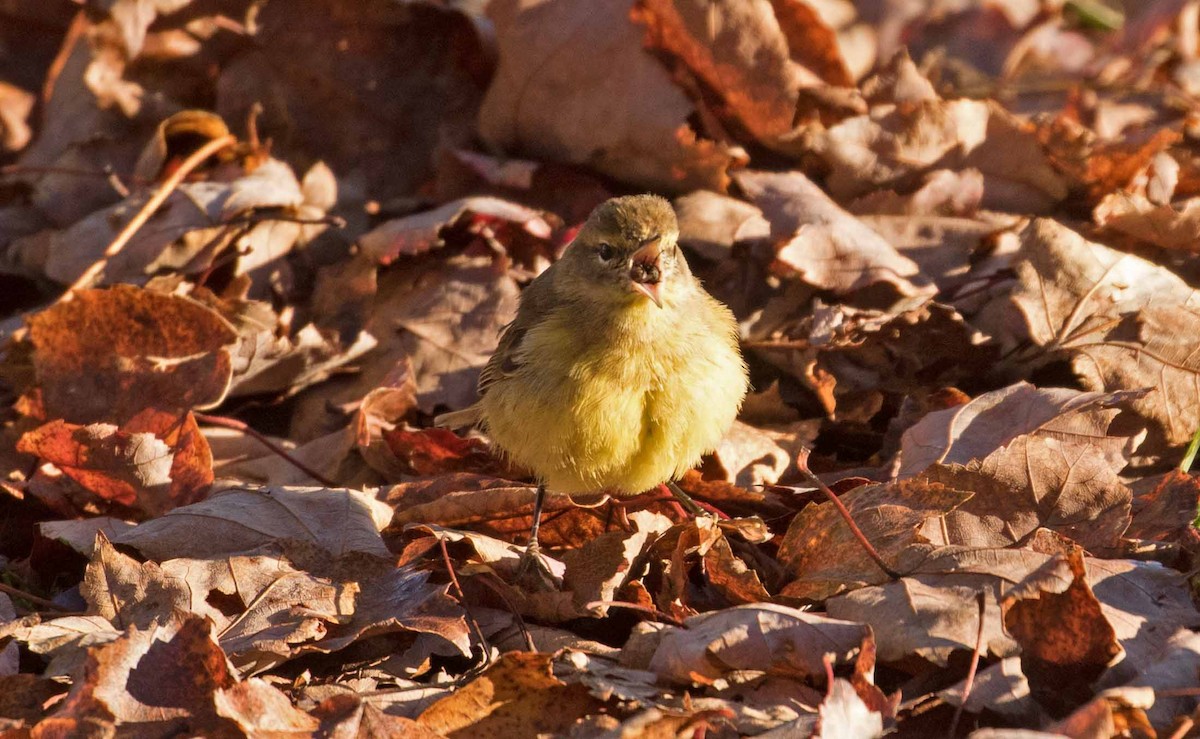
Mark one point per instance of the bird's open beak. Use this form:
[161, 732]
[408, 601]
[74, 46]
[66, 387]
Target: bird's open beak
[645, 273]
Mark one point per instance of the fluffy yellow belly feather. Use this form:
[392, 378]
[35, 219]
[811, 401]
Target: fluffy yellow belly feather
[621, 415]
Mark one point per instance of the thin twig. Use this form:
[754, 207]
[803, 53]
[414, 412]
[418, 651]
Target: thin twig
[236, 425]
[981, 600]
[499, 591]
[649, 610]
[49, 605]
[854, 529]
[147, 210]
[462, 600]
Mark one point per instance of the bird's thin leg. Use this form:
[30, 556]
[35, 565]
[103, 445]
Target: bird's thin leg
[684, 499]
[539, 498]
[532, 572]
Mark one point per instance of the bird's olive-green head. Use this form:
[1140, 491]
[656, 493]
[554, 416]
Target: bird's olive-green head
[627, 253]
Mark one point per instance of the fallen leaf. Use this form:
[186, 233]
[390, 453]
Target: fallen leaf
[824, 558]
[994, 420]
[242, 519]
[420, 233]
[755, 56]
[155, 462]
[172, 677]
[517, 696]
[822, 244]
[1122, 322]
[1066, 642]
[762, 637]
[543, 102]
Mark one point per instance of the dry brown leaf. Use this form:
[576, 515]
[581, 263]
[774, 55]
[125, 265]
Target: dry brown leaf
[517, 696]
[1165, 507]
[753, 456]
[1124, 323]
[449, 328]
[764, 638]
[1040, 481]
[822, 244]
[252, 219]
[712, 224]
[824, 558]
[272, 356]
[754, 55]
[909, 132]
[107, 354]
[501, 509]
[555, 83]
[1168, 225]
[597, 570]
[172, 678]
[376, 89]
[1095, 167]
[994, 420]
[252, 601]
[15, 106]
[930, 616]
[943, 192]
[1066, 642]
[857, 361]
[154, 462]
[241, 519]
[420, 233]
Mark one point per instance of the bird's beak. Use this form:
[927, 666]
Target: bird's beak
[645, 272]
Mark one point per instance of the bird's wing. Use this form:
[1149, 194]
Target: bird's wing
[535, 306]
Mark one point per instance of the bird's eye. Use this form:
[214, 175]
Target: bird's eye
[607, 252]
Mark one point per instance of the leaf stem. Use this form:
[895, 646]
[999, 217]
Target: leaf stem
[854, 529]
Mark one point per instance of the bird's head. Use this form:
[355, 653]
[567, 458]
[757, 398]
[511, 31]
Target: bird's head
[628, 253]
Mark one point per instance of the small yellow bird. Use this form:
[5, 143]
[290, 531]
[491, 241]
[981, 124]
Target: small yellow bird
[619, 371]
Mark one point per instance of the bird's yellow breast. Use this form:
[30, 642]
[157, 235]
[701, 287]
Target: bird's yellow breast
[620, 411]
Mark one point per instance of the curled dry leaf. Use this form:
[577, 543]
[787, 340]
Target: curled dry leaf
[1066, 642]
[154, 462]
[823, 556]
[171, 677]
[420, 233]
[271, 357]
[251, 600]
[910, 132]
[1123, 322]
[754, 55]
[107, 354]
[1096, 168]
[253, 219]
[1168, 225]
[712, 224]
[822, 244]
[555, 82]
[753, 456]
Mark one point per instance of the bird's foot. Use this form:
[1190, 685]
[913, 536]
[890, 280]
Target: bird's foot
[691, 505]
[532, 571]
